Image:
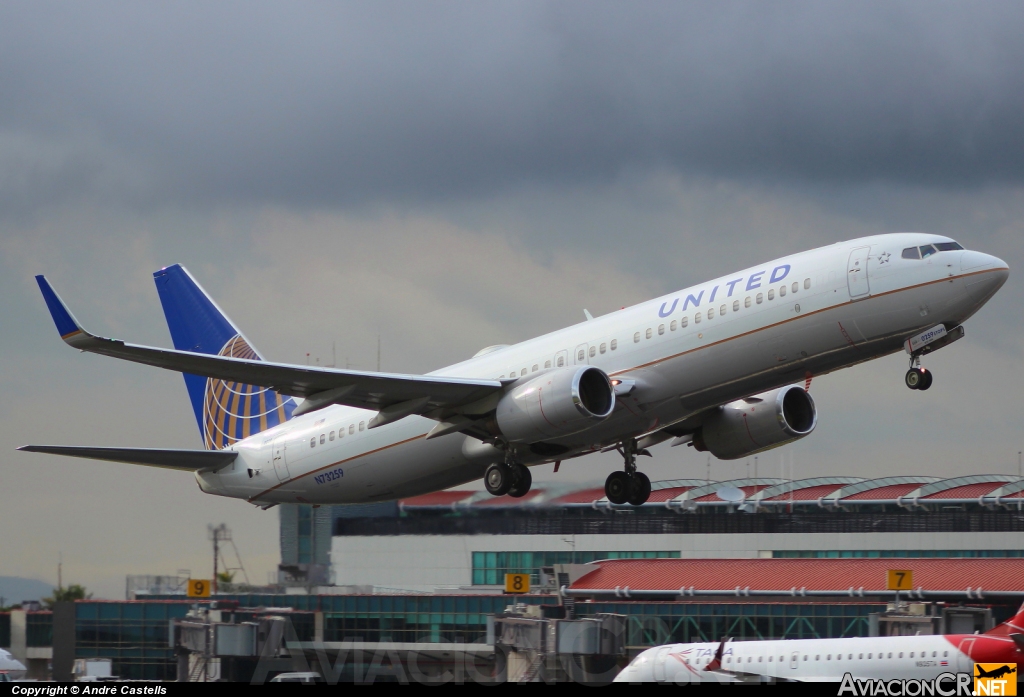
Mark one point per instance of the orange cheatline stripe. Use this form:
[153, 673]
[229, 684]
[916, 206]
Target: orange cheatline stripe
[794, 319]
[335, 464]
[71, 334]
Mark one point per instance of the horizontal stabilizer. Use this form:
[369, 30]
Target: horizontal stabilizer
[188, 460]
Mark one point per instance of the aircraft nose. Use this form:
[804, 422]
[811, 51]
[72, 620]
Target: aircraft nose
[971, 262]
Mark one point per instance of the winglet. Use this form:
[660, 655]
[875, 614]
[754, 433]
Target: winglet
[66, 323]
[716, 663]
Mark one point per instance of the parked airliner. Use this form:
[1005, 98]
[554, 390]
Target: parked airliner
[10, 667]
[721, 366]
[818, 660]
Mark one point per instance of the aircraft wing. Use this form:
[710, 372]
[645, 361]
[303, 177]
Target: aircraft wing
[188, 460]
[393, 395]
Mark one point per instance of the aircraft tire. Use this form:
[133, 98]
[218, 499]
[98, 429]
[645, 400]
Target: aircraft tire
[913, 378]
[498, 479]
[640, 489]
[523, 480]
[926, 380]
[617, 487]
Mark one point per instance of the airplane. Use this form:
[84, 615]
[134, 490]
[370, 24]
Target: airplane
[11, 669]
[723, 367]
[923, 657]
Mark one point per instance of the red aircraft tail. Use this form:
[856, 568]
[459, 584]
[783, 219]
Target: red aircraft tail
[1014, 625]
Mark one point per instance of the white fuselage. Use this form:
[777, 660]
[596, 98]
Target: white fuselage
[751, 331]
[813, 660]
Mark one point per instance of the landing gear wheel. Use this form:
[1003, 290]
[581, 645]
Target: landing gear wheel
[522, 481]
[498, 479]
[617, 487]
[926, 379]
[640, 489]
[915, 378]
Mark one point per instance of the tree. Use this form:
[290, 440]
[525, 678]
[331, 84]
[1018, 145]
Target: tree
[71, 593]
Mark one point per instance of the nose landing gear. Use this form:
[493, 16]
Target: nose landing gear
[628, 486]
[917, 378]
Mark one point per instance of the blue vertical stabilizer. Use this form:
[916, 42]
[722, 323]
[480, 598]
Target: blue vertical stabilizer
[225, 411]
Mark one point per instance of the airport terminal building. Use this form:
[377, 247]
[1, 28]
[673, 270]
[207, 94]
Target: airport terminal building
[421, 582]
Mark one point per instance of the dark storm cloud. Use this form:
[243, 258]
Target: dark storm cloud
[327, 102]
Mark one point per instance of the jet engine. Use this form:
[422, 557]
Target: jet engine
[554, 404]
[757, 423]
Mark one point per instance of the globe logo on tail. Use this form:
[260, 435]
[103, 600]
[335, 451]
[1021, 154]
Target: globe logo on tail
[234, 410]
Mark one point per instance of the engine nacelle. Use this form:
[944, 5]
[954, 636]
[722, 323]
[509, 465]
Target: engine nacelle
[757, 423]
[554, 404]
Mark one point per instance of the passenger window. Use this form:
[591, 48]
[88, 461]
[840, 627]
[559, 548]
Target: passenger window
[711, 313]
[760, 297]
[341, 432]
[796, 287]
[890, 654]
[735, 305]
[535, 367]
[561, 361]
[696, 318]
[947, 246]
[547, 364]
[672, 326]
[807, 284]
[331, 436]
[770, 658]
[649, 333]
[911, 654]
[746, 301]
[581, 355]
[362, 425]
[684, 321]
[523, 372]
[603, 347]
[322, 438]
[927, 250]
[614, 344]
[771, 295]
[782, 292]
[636, 338]
[312, 442]
[661, 329]
[828, 657]
[593, 351]
[911, 253]
[721, 310]
[351, 429]
[860, 656]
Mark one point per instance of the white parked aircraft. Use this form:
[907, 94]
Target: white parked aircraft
[714, 365]
[820, 660]
[10, 667]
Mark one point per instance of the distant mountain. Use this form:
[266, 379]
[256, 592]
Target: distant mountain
[14, 589]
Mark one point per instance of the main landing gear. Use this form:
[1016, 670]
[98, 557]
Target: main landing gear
[917, 378]
[628, 486]
[512, 478]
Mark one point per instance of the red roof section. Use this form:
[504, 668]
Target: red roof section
[438, 498]
[811, 493]
[508, 500]
[814, 574]
[666, 494]
[585, 496]
[967, 491]
[747, 491]
[885, 492]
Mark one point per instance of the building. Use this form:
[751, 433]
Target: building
[465, 540]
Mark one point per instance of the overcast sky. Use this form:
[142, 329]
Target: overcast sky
[454, 175]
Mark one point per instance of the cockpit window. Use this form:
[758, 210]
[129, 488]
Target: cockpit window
[927, 250]
[947, 246]
[911, 253]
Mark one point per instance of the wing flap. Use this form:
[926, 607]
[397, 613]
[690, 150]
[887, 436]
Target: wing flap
[187, 460]
[366, 390]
